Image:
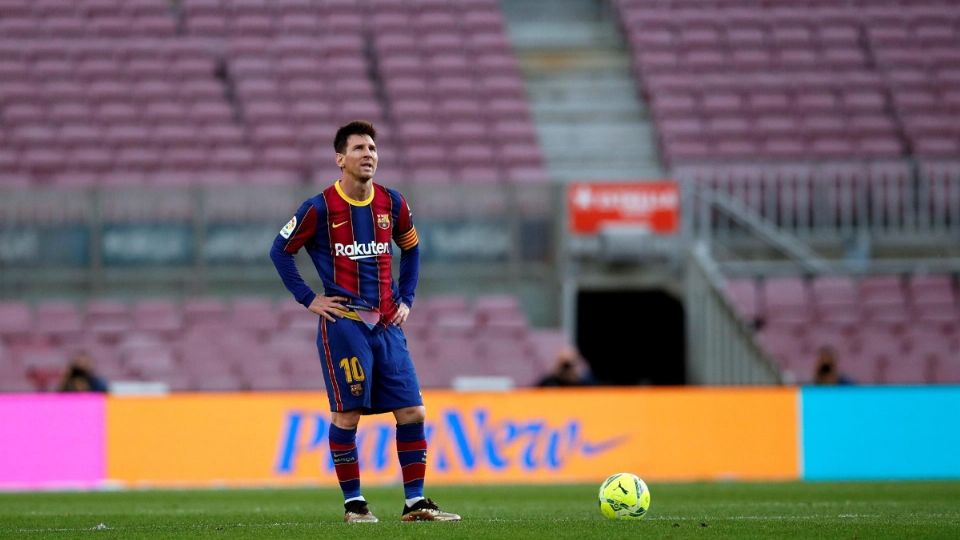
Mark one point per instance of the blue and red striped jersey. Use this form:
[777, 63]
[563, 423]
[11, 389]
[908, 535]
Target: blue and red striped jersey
[349, 242]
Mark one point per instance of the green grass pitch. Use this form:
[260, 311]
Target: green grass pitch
[701, 510]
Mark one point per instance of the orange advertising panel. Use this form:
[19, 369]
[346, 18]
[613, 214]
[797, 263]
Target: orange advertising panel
[654, 206]
[533, 436]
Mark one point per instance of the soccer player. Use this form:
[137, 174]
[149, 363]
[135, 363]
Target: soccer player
[347, 230]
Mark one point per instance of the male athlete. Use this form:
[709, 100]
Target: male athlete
[347, 230]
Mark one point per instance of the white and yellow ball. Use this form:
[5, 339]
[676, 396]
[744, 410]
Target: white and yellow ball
[624, 496]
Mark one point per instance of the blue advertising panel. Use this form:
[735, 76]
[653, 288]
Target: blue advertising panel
[879, 433]
[145, 245]
[238, 243]
[44, 246]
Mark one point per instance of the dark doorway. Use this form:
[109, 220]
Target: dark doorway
[632, 336]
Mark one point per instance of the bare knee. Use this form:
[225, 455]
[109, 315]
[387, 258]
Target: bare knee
[346, 419]
[410, 415]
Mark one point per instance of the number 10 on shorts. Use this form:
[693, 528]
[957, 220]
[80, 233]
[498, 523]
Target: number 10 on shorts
[352, 369]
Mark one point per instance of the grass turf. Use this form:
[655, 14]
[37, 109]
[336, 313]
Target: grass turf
[708, 510]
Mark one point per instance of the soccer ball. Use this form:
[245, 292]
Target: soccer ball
[624, 496]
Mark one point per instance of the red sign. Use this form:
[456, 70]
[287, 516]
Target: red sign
[651, 205]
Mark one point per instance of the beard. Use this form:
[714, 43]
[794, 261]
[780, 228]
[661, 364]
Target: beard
[364, 174]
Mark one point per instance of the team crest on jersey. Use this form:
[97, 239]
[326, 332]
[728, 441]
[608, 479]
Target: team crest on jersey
[287, 229]
[383, 221]
[356, 389]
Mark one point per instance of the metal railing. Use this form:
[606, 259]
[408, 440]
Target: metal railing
[825, 204]
[720, 346]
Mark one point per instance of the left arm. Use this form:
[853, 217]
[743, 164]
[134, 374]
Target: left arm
[409, 276]
[405, 235]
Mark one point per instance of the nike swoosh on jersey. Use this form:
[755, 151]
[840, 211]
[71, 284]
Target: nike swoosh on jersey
[335, 225]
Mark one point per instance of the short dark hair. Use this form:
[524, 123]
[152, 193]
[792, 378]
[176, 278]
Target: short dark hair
[357, 127]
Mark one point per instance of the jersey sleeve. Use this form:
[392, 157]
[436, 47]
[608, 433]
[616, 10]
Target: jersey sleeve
[293, 236]
[405, 235]
[404, 232]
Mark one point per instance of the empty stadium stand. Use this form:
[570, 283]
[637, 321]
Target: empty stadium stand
[798, 80]
[253, 343]
[884, 329]
[108, 92]
[827, 123]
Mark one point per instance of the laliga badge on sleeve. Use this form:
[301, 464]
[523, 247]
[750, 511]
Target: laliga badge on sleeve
[287, 229]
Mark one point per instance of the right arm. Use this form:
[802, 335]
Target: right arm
[294, 235]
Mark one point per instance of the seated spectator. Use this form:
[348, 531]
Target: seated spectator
[80, 376]
[569, 370]
[827, 372]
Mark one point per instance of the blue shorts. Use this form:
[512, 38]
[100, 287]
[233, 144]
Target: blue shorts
[366, 369]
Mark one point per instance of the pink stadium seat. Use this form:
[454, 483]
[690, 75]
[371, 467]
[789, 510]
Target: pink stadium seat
[863, 368]
[268, 382]
[442, 305]
[32, 135]
[157, 316]
[203, 310]
[478, 174]
[942, 315]
[15, 318]
[946, 370]
[906, 369]
[252, 314]
[829, 291]
[454, 326]
[222, 382]
[489, 307]
[932, 290]
[505, 329]
[42, 365]
[108, 319]
[743, 295]
[544, 345]
[842, 316]
[16, 382]
[150, 362]
[785, 298]
[882, 290]
[59, 319]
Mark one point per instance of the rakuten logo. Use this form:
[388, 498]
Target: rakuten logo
[357, 251]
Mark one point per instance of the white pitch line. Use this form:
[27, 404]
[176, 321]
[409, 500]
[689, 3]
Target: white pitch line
[762, 518]
[713, 519]
[158, 527]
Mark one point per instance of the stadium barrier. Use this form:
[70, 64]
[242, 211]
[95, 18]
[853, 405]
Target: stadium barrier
[885, 432]
[533, 436]
[536, 436]
[131, 229]
[49, 440]
[203, 235]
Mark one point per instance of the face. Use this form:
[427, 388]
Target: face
[360, 158]
[568, 371]
[82, 360]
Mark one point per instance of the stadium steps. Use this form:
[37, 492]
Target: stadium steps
[559, 23]
[589, 120]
